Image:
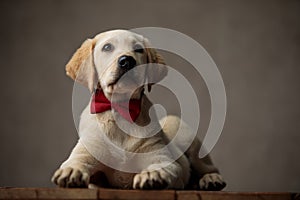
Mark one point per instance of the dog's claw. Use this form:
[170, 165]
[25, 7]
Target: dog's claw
[150, 180]
[70, 177]
[212, 182]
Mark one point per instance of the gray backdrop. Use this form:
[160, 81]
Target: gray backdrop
[255, 44]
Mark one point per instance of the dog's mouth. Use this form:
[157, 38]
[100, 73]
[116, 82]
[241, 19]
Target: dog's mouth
[115, 79]
[114, 82]
[120, 83]
[123, 85]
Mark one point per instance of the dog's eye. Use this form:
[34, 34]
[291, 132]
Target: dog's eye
[108, 47]
[138, 48]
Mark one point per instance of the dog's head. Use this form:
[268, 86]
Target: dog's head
[100, 62]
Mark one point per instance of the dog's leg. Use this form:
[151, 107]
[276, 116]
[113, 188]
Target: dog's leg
[158, 176]
[162, 171]
[77, 169]
[210, 179]
[209, 176]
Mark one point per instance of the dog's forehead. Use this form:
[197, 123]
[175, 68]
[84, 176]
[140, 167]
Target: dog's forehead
[119, 35]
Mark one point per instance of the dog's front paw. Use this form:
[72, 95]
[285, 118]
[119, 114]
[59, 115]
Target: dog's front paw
[212, 182]
[157, 179]
[70, 177]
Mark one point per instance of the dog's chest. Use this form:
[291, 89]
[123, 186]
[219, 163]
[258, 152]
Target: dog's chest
[120, 179]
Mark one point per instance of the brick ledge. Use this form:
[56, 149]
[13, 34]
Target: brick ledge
[108, 194]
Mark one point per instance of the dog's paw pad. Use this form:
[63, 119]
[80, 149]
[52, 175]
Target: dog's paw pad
[70, 177]
[151, 180]
[212, 182]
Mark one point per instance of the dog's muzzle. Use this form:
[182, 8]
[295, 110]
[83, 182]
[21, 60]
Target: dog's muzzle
[126, 62]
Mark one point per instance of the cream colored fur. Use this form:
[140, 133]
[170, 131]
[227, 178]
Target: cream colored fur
[94, 68]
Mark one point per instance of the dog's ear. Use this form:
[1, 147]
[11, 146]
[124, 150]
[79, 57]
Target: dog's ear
[155, 73]
[81, 67]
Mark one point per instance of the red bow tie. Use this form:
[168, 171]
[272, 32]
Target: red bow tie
[101, 104]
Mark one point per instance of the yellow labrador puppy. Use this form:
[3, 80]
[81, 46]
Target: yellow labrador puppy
[100, 63]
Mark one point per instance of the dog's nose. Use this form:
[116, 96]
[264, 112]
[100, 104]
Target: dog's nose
[126, 62]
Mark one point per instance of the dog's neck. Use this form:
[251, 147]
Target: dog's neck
[113, 131]
[129, 109]
[121, 97]
[143, 118]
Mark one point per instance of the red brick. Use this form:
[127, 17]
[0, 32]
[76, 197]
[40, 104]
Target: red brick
[106, 194]
[189, 195]
[60, 193]
[18, 193]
